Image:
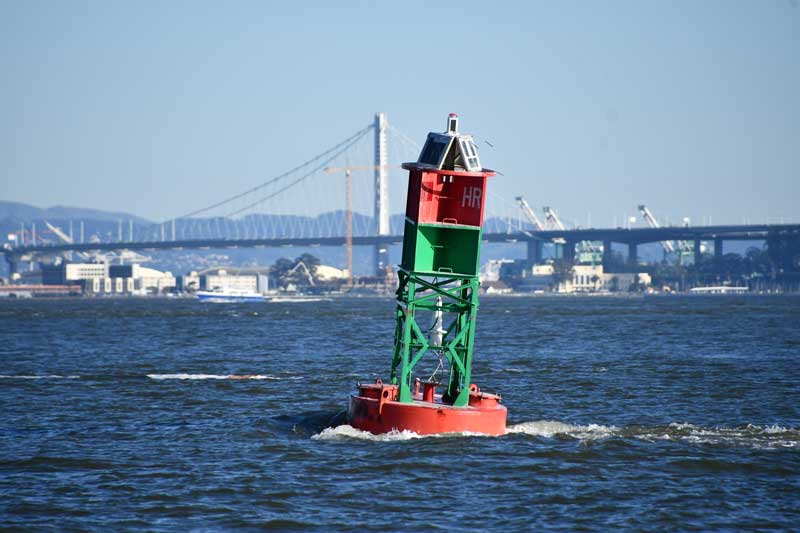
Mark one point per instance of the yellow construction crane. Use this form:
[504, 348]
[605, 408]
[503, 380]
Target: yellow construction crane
[348, 213]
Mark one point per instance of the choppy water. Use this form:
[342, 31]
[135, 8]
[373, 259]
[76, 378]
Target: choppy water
[663, 413]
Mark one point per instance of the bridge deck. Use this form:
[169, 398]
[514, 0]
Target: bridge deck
[619, 235]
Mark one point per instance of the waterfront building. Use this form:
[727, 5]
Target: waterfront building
[63, 273]
[491, 269]
[577, 279]
[224, 280]
[149, 280]
[591, 278]
[188, 282]
[102, 278]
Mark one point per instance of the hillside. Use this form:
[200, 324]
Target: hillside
[18, 212]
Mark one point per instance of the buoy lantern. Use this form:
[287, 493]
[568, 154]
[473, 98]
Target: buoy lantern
[438, 278]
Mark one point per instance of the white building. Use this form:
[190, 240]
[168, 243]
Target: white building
[329, 273]
[102, 278]
[491, 269]
[223, 280]
[85, 271]
[587, 278]
[149, 280]
[191, 281]
[591, 278]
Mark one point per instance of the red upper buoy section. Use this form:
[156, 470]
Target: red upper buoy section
[447, 184]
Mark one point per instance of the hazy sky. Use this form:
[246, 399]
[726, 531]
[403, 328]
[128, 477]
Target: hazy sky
[158, 108]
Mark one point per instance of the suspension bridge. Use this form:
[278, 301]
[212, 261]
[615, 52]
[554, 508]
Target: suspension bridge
[343, 196]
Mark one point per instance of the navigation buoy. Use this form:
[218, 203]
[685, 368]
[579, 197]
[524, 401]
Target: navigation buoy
[438, 278]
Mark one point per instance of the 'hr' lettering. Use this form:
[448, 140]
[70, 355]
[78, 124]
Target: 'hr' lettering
[472, 197]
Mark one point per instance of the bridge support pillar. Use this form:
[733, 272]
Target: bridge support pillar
[568, 252]
[606, 256]
[633, 260]
[535, 251]
[698, 252]
[12, 267]
[381, 259]
[718, 254]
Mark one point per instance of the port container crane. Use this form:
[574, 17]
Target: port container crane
[669, 246]
[65, 238]
[529, 214]
[552, 220]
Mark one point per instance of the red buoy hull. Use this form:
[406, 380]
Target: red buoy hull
[375, 408]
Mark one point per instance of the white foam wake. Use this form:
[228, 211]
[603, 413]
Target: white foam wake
[542, 428]
[751, 435]
[345, 432]
[212, 376]
[551, 428]
[761, 437]
[45, 376]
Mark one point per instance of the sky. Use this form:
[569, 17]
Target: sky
[160, 108]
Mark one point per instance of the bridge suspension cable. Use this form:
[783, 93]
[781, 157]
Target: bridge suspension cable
[336, 150]
[352, 140]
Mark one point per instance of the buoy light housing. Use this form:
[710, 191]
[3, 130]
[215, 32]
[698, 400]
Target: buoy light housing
[450, 150]
[452, 124]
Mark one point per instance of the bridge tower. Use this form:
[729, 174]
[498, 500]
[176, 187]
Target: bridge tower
[381, 209]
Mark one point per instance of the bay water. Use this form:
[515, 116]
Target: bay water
[651, 413]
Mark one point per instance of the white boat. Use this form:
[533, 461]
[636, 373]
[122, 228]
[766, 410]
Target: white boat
[721, 289]
[297, 299]
[229, 296]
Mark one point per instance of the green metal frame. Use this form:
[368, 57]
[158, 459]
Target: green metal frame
[459, 298]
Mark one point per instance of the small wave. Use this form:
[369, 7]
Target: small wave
[763, 437]
[551, 428]
[46, 376]
[349, 432]
[751, 435]
[213, 376]
[508, 370]
[774, 429]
